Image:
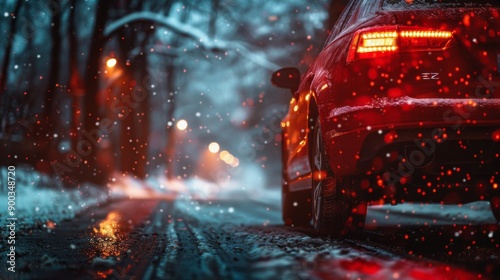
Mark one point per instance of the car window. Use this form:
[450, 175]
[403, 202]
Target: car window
[419, 4]
[355, 14]
[361, 10]
[369, 8]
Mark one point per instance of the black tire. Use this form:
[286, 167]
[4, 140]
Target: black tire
[296, 208]
[495, 206]
[336, 208]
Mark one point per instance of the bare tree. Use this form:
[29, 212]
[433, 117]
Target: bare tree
[91, 168]
[172, 95]
[5, 102]
[47, 128]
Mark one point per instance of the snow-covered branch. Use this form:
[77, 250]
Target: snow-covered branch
[201, 38]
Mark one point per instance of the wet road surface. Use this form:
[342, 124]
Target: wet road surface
[244, 239]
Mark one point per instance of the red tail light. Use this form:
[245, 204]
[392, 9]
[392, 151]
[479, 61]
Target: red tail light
[376, 42]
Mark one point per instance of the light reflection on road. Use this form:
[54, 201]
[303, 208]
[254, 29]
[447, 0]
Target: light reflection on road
[108, 236]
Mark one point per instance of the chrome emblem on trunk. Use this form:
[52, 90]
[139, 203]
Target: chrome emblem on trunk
[430, 76]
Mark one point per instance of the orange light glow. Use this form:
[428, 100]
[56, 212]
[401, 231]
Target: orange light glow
[110, 63]
[319, 175]
[229, 159]
[109, 227]
[323, 87]
[378, 42]
[107, 237]
[377, 35]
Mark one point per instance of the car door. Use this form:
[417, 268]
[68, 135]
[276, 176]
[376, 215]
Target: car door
[296, 123]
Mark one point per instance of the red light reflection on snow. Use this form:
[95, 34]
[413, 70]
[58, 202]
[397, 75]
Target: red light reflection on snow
[380, 268]
[361, 266]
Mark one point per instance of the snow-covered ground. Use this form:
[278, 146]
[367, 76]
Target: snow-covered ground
[408, 214]
[42, 201]
[279, 252]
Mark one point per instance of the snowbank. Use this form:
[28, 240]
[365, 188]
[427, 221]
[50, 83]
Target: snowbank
[42, 201]
[192, 188]
[409, 214]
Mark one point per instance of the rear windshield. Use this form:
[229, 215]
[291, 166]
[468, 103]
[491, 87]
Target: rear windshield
[419, 4]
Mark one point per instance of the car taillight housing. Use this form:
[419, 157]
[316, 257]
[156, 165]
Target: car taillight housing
[387, 40]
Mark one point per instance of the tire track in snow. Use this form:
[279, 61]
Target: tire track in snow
[188, 253]
[167, 263]
[196, 254]
[152, 242]
[222, 255]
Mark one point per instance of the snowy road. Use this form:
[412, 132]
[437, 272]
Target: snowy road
[226, 239]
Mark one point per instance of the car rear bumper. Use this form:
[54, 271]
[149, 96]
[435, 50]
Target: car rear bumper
[377, 137]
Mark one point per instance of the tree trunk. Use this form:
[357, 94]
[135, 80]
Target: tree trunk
[89, 167]
[142, 121]
[171, 130]
[48, 144]
[213, 18]
[170, 149]
[5, 98]
[8, 48]
[75, 85]
[135, 128]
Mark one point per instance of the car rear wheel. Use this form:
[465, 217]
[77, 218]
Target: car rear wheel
[495, 206]
[336, 208]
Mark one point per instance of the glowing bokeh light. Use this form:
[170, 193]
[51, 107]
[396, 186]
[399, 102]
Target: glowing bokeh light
[111, 62]
[214, 147]
[182, 125]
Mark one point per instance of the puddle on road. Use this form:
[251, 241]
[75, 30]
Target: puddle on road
[110, 239]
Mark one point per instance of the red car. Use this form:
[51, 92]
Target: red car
[401, 105]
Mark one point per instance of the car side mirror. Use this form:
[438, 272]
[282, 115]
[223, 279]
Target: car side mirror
[288, 77]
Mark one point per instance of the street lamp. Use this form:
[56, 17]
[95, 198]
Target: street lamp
[110, 63]
[213, 147]
[182, 125]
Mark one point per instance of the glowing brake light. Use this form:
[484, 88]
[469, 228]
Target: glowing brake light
[378, 42]
[425, 34]
[375, 42]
